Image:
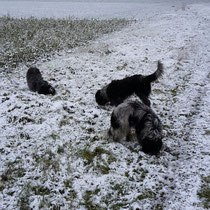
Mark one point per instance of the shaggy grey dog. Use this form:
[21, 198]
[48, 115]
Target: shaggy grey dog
[146, 123]
[36, 82]
[118, 90]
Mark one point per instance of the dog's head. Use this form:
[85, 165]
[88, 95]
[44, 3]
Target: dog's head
[149, 134]
[151, 145]
[45, 88]
[100, 98]
[115, 131]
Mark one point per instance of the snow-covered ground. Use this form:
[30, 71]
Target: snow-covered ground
[54, 152]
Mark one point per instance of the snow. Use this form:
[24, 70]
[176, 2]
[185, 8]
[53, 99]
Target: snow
[33, 127]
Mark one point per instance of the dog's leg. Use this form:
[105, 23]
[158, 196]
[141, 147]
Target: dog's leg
[144, 99]
[128, 136]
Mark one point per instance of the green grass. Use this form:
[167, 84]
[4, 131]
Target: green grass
[28, 190]
[23, 201]
[89, 156]
[13, 171]
[47, 161]
[40, 190]
[204, 193]
[145, 195]
[29, 40]
[88, 201]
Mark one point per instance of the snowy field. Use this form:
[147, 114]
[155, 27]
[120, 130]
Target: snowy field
[138, 9]
[54, 153]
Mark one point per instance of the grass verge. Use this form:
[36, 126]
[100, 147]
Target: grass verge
[28, 40]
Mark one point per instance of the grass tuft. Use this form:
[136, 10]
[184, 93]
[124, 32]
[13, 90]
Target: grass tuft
[89, 201]
[89, 155]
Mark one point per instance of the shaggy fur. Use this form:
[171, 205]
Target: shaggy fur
[36, 82]
[145, 122]
[118, 90]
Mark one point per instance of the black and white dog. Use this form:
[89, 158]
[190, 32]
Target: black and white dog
[118, 90]
[147, 125]
[36, 82]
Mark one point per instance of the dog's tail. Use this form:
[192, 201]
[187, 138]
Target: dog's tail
[158, 73]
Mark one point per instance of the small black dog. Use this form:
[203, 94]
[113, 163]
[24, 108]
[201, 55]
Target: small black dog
[118, 90]
[36, 82]
[147, 125]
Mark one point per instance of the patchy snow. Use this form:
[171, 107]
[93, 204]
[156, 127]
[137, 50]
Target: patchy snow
[54, 150]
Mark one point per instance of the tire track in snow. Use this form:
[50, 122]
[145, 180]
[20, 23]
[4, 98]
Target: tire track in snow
[192, 146]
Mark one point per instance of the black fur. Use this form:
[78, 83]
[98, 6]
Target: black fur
[146, 123]
[118, 90]
[36, 82]
[151, 147]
